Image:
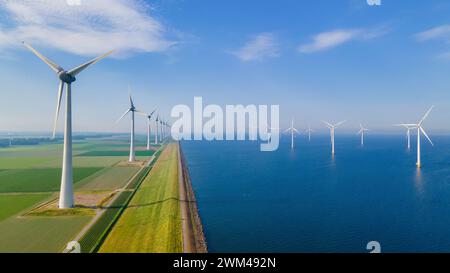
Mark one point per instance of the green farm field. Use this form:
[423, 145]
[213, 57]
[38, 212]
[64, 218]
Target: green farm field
[151, 221]
[30, 175]
[11, 204]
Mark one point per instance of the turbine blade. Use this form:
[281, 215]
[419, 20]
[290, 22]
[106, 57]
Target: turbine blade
[426, 115]
[151, 114]
[51, 64]
[82, 67]
[425, 134]
[296, 131]
[339, 124]
[328, 124]
[123, 115]
[359, 132]
[58, 106]
[287, 130]
[140, 112]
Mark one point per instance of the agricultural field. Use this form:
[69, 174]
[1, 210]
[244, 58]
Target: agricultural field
[30, 175]
[12, 204]
[151, 221]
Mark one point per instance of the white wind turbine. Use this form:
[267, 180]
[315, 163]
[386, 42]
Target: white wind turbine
[149, 127]
[419, 130]
[132, 109]
[66, 199]
[361, 132]
[332, 129]
[156, 129]
[309, 131]
[292, 130]
[408, 127]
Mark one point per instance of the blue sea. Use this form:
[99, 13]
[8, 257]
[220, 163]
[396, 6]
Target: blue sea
[305, 200]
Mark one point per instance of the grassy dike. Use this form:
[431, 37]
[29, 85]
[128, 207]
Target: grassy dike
[151, 220]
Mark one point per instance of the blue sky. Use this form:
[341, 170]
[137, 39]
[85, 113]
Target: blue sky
[330, 60]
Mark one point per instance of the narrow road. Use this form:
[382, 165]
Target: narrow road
[186, 219]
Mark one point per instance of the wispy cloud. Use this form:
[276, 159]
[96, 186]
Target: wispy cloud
[438, 32]
[87, 29]
[334, 38]
[259, 47]
[441, 32]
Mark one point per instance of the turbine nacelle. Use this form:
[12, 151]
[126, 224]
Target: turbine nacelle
[64, 76]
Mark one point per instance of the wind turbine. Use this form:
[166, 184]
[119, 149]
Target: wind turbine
[361, 132]
[309, 131]
[408, 127]
[419, 130]
[156, 128]
[292, 130]
[332, 129]
[132, 109]
[149, 127]
[65, 78]
[160, 130]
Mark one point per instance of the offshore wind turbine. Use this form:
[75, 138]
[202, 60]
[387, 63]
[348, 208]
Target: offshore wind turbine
[292, 130]
[149, 126]
[66, 78]
[419, 131]
[361, 132]
[332, 130]
[408, 127]
[309, 131]
[132, 109]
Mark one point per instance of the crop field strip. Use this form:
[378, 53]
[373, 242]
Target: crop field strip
[153, 214]
[96, 235]
[37, 168]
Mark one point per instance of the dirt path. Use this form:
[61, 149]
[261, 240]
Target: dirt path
[186, 219]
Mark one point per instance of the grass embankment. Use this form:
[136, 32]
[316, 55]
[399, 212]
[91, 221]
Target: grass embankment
[151, 221]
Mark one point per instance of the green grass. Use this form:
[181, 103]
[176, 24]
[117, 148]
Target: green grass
[81, 161]
[115, 153]
[39, 234]
[92, 240]
[110, 179]
[151, 221]
[93, 237]
[22, 162]
[38, 180]
[11, 204]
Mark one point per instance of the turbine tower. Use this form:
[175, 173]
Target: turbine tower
[408, 127]
[332, 129]
[361, 132]
[66, 199]
[132, 109]
[156, 128]
[149, 127]
[161, 130]
[309, 131]
[419, 130]
[292, 130]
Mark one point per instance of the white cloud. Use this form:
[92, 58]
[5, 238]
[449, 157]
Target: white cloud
[441, 32]
[91, 28]
[331, 39]
[438, 32]
[259, 47]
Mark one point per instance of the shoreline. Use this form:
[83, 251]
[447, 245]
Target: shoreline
[193, 236]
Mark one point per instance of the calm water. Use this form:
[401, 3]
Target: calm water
[306, 201]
